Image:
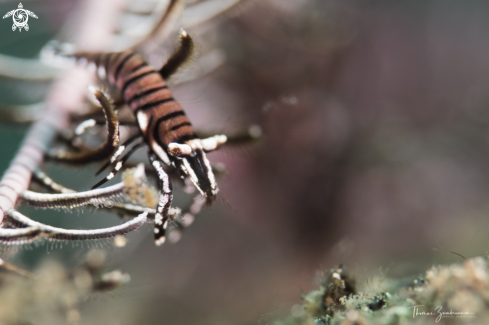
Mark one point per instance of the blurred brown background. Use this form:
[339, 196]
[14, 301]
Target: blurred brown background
[375, 154]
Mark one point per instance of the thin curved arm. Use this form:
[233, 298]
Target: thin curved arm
[163, 27]
[65, 96]
[107, 148]
[26, 69]
[53, 233]
[11, 237]
[98, 197]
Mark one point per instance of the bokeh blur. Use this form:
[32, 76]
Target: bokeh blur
[374, 154]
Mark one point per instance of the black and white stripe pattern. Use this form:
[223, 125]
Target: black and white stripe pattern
[119, 163]
[118, 152]
[164, 202]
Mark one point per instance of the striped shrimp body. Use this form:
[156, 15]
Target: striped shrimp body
[162, 122]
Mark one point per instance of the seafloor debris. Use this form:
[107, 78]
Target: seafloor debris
[454, 294]
[327, 299]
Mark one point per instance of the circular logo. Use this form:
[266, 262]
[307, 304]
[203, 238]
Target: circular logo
[20, 17]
